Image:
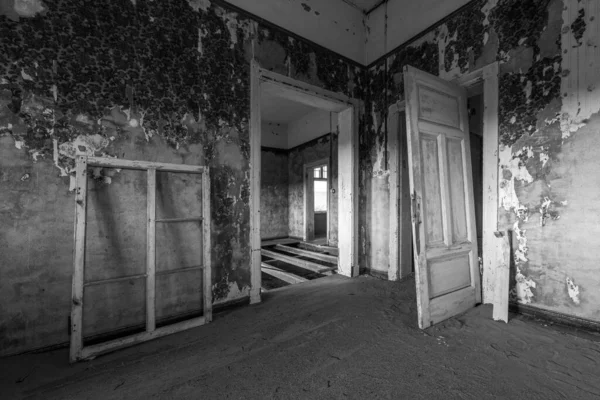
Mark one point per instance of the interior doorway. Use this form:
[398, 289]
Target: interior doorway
[317, 204]
[481, 90]
[336, 169]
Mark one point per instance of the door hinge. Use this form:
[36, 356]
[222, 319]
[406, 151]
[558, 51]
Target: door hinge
[416, 212]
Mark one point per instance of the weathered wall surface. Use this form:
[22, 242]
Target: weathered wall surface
[153, 80]
[299, 156]
[549, 102]
[274, 183]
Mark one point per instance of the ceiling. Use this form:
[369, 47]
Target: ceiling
[280, 110]
[364, 5]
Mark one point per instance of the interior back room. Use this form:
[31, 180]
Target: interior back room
[295, 136]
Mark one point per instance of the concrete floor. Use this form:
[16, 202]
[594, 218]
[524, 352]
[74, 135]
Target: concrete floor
[327, 339]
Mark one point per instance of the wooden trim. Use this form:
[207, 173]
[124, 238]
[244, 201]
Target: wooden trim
[488, 76]
[151, 251]
[554, 317]
[78, 258]
[255, 166]
[206, 247]
[143, 165]
[395, 189]
[348, 191]
[502, 279]
[77, 350]
[90, 352]
[416, 189]
[305, 93]
[348, 110]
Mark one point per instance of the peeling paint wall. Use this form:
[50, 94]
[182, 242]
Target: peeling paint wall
[274, 190]
[549, 105]
[164, 81]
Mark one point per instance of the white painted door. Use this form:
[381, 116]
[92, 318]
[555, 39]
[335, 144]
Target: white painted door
[443, 214]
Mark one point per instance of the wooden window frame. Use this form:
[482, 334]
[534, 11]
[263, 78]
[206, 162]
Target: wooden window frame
[77, 350]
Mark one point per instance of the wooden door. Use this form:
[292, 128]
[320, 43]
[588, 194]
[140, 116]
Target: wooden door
[443, 214]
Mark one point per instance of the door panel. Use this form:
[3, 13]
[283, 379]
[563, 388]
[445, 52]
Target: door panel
[444, 232]
[431, 185]
[457, 192]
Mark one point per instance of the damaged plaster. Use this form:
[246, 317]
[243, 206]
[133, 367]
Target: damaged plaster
[548, 92]
[159, 81]
[573, 291]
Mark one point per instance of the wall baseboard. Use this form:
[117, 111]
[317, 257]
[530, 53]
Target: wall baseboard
[554, 317]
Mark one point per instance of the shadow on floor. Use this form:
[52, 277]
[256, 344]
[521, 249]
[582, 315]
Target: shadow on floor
[329, 338]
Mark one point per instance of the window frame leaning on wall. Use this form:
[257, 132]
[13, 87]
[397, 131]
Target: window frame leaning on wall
[78, 351]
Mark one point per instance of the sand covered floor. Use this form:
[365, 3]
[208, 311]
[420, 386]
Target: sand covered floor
[330, 338]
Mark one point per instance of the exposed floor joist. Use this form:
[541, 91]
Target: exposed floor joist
[281, 274]
[309, 265]
[317, 247]
[307, 253]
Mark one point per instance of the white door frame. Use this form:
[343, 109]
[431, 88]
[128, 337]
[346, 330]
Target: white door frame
[347, 109]
[488, 76]
[309, 194]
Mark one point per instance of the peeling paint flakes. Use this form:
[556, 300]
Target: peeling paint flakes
[507, 194]
[232, 22]
[527, 90]
[544, 159]
[546, 203]
[55, 154]
[521, 251]
[199, 5]
[87, 145]
[486, 9]
[573, 291]
[523, 287]
[26, 76]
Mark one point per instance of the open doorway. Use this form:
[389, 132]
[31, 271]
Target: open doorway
[438, 226]
[321, 203]
[303, 212]
[318, 199]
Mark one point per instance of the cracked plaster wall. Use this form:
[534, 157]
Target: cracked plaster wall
[163, 81]
[549, 102]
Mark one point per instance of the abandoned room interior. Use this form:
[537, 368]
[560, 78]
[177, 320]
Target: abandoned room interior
[299, 199]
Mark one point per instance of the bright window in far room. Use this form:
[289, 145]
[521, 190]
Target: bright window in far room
[320, 178]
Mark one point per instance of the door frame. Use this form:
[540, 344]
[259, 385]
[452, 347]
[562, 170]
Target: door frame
[348, 110]
[309, 193]
[488, 77]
